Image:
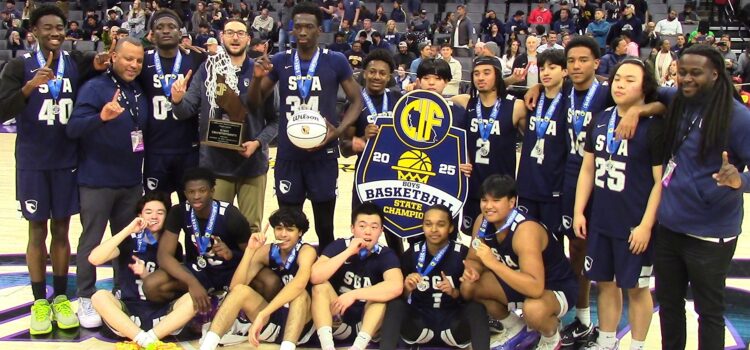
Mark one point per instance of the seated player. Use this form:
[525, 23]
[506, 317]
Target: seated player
[354, 278]
[130, 314]
[431, 311]
[516, 264]
[624, 179]
[215, 236]
[292, 261]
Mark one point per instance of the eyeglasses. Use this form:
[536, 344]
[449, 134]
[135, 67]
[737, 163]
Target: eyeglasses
[240, 34]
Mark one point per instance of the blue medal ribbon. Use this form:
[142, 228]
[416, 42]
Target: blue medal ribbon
[578, 122]
[166, 83]
[143, 239]
[542, 124]
[485, 129]
[508, 221]
[55, 85]
[202, 241]
[276, 255]
[423, 270]
[304, 83]
[371, 106]
[363, 253]
[613, 144]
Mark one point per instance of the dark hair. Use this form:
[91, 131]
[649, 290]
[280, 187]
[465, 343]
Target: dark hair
[153, 196]
[584, 41]
[499, 186]
[367, 208]
[290, 217]
[500, 88]
[717, 113]
[442, 208]
[339, 35]
[448, 45]
[198, 173]
[380, 55]
[616, 42]
[649, 86]
[309, 8]
[128, 39]
[73, 22]
[235, 20]
[435, 66]
[164, 13]
[552, 56]
[203, 24]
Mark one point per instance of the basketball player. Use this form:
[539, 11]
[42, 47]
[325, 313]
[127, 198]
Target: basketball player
[310, 174]
[622, 177]
[491, 129]
[172, 143]
[430, 311]
[130, 314]
[517, 264]
[272, 320]
[39, 89]
[354, 278]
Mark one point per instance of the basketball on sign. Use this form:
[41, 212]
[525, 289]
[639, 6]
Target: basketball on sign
[306, 129]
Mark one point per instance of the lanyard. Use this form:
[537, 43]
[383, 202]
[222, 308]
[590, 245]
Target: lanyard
[276, 255]
[541, 125]
[371, 106]
[613, 144]
[124, 95]
[203, 240]
[55, 85]
[305, 83]
[143, 239]
[485, 129]
[578, 122]
[363, 252]
[423, 270]
[687, 133]
[166, 84]
[483, 228]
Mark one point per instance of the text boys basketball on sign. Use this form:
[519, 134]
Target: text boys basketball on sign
[413, 163]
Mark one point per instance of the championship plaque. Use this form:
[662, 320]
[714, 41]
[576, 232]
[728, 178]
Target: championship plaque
[222, 133]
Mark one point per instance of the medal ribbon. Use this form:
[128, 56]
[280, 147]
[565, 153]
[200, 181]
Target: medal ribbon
[166, 84]
[202, 240]
[485, 129]
[305, 83]
[613, 144]
[276, 255]
[542, 124]
[143, 239]
[423, 270]
[55, 85]
[483, 227]
[578, 122]
[124, 95]
[371, 106]
[363, 252]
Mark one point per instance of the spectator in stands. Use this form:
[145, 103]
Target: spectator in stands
[462, 36]
[564, 5]
[366, 30]
[540, 15]
[609, 61]
[136, 20]
[425, 52]
[258, 47]
[10, 11]
[339, 43]
[495, 35]
[14, 42]
[650, 37]
[218, 17]
[640, 10]
[539, 31]
[108, 35]
[122, 33]
[265, 4]
[730, 59]
[186, 40]
[364, 12]
[669, 25]
[628, 22]
[565, 39]
[633, 49]
[346, 28]
[614, 10]
[380, 15]
[490, 18]
[329, 10]
[27, 9]
[92, 29]
[29, 44]
[491, 49]
[566, 23]
[398, 14]
[355, 56]
[446, 25]
[402, 79]
[719, 6]
[391, 35]
[446, 53]
[74, 32]
[246, 12]
[688, 15]
[744, 65]
[680, 45]
[420, 23]
[263, 24]
[516, 24]
[551, 42]
[404, 56]
[700, 34]
[364, 44]
[351, 11]
[379, 43]
[585, 15]
[670, 80]
[204, 33]
[514, 48]
[660, 60]
[527, 61]
[113, 19]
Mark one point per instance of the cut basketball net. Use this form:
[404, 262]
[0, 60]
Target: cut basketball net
[219, 64]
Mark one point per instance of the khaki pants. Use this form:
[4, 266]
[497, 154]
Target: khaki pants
[250, 193]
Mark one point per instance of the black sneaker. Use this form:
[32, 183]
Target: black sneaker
[574, 333]
[495, 326]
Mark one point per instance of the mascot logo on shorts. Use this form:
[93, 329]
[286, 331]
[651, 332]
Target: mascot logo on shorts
[412, 163]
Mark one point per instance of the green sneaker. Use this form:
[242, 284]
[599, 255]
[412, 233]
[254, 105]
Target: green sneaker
[158, 345]
[63, 313]
[41, 318]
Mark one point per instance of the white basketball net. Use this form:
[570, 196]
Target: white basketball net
[219, 64]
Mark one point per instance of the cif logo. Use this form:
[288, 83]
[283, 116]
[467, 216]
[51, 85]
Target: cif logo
[422, 119]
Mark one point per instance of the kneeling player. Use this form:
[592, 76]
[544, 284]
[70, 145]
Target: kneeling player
[624, 177]
[431, 311]
[292, 261]
[516, 264]
[130, 314]
[354, 279]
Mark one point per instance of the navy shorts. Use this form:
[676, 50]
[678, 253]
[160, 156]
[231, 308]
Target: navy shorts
[273, 332]
[566, 292]
[314, 179]
[470, 213]
[610, 259]
[145, 314]
[348, 326]
[163, 172]
[45, 194]
[213, 279]
[547, 212]
[567, 204]
[443, 325]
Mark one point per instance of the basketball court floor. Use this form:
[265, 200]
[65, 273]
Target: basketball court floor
[15, 290]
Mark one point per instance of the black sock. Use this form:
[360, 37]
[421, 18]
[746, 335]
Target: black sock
[323, 216]
[60, 283]
[39, 289]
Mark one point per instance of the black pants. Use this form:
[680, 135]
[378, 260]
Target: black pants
[679, 260]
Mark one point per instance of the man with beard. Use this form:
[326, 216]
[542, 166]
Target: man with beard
[669, 25]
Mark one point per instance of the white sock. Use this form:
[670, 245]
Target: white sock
[584, 315]
[287, 345]
[607, 339]
[553, 340]
[361, 341]
[142, 339]
[210, 341]
[636, 345]
[325, 334]
[512, 321]
[152, 335]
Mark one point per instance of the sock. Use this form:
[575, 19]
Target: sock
[552, 340]
[39, 289]
[584, 315]
[636, 345]
[606, 339]
[361, 341]
[512, 321]
[143, 339]
[325, 334]
[210, 341]
[153, 336]
[287, 345]
[60, 284]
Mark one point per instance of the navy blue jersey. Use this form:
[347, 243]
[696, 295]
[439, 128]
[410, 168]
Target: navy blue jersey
[501, 158]
[42, 143]
[284, 275]
[451, 264]
[543, 181]
[623, 180]
[557, 271]
[365, 117]
[131, 286]
[459, 115]
[332, 70]
[165, 134]
[357, 273]
[575, 142]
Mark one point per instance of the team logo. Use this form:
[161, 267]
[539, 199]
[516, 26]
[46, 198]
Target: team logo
[285, 186]
[567, 222]
[412, 163]
[305, 130]
[588, 263]
[468, 222]
[31, 206]
[247, 82]
[523, 209]
[152, 183]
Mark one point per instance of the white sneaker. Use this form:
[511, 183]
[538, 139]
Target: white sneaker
[237, 334]
[87, 316]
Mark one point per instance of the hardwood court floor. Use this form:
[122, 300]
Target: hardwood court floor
[15, 291]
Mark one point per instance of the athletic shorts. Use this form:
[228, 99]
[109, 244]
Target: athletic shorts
[213, 279]
[145, 314]
[439, 327]
[610, 259]
[314, 180]
[547, 212]
[45, 194]
[273, 332]
[568, 202]
[163, 172]
[346, 328]
[566, 292]
[471, 211]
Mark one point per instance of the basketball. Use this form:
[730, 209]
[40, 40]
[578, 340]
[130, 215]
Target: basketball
[306, 129]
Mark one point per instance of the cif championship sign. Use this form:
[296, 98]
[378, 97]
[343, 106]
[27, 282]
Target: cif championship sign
[412, 163]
